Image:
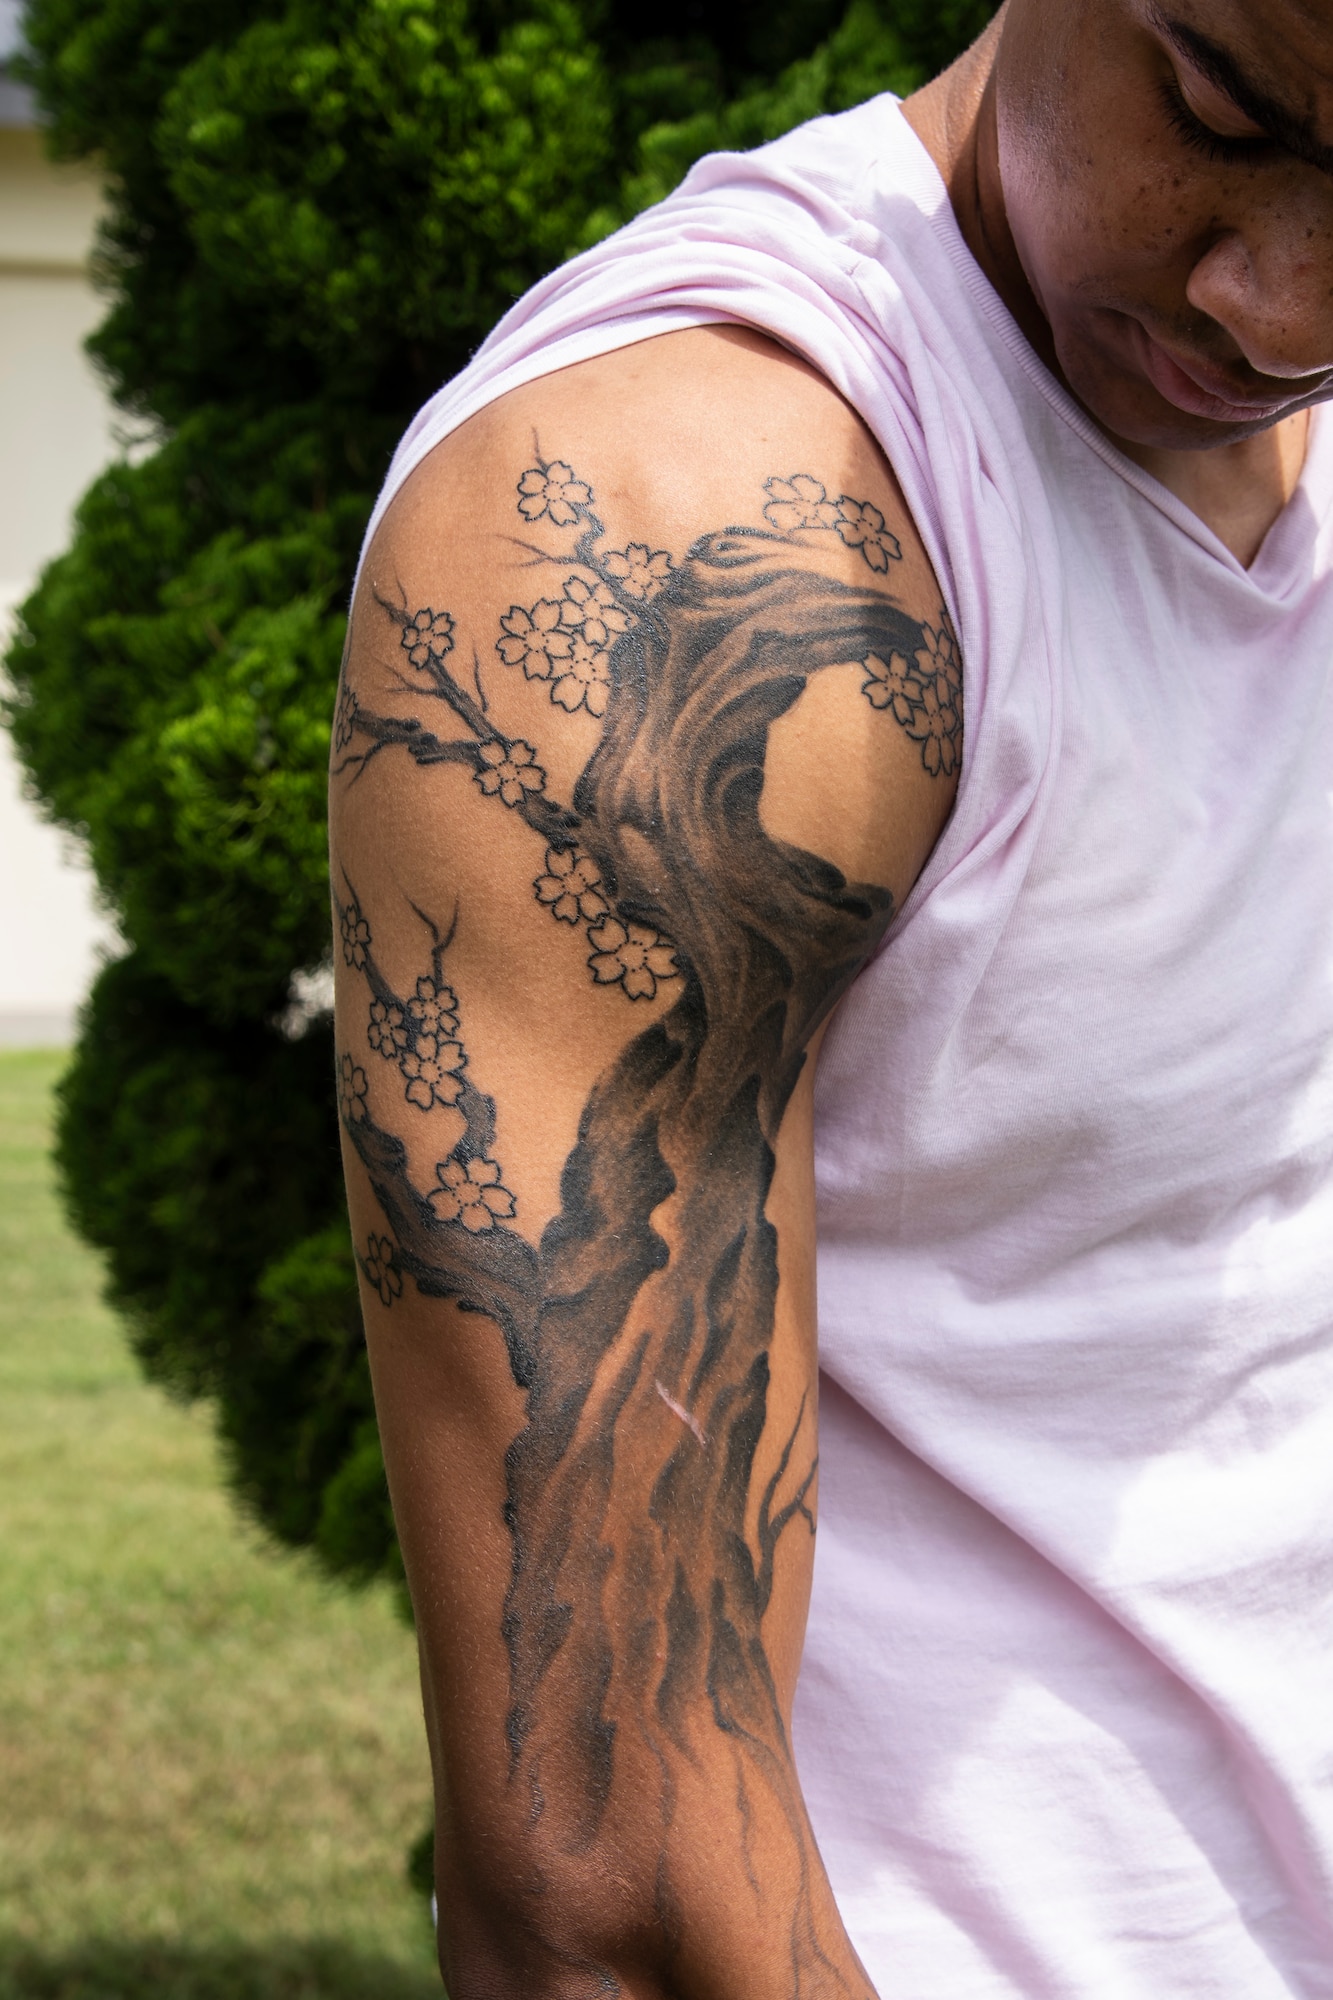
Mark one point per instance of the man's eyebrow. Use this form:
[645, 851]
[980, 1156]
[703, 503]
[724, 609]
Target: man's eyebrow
[1289, 129]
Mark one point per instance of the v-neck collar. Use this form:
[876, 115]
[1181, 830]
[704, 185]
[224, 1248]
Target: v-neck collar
[1283, 561]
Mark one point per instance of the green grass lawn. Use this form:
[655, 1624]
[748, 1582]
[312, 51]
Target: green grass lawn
[211, 1762]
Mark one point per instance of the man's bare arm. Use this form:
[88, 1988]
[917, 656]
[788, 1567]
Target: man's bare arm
[650, 717]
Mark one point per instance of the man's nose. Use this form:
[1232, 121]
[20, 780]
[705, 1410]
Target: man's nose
[1271, 287]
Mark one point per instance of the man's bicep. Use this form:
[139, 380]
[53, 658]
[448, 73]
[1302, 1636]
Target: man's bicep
[628, 773]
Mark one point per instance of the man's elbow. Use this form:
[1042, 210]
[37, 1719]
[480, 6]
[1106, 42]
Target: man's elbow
[587, 1930]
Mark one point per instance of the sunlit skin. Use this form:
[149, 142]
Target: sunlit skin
[1150, 189]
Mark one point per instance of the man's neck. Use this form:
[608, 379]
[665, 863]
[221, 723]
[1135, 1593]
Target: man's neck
[1238, 490]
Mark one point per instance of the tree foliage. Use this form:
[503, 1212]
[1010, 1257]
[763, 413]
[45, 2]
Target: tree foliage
[318, 209]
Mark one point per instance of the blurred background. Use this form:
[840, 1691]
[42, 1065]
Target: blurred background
[240, 242]
[57, 429]
[211, 1763]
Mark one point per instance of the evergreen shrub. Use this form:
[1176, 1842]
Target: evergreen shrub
[317, 210]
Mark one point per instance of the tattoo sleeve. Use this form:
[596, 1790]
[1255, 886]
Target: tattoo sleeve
[648, 1494]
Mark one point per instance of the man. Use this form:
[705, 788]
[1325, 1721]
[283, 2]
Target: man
[651, 789]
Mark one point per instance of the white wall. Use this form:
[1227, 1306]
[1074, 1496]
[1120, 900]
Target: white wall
[56, 432]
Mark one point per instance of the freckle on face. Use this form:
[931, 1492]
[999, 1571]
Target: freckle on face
[1112, 217]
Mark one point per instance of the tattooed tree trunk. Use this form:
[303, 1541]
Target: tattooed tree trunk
[644, 1318]
[640, 1330]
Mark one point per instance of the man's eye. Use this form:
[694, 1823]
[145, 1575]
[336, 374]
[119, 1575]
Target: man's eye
[1202, 138]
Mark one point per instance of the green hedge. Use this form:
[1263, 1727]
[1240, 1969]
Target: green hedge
[318, 208]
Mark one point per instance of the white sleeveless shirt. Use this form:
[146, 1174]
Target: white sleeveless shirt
[1065, 1720]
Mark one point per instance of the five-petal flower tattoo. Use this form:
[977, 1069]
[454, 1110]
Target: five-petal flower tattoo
[639, 570]
[571, 888]
[939, 660]
[534, 640]
[924, 696]
[890, 684]
[511, 769]
[862, 527]
[355, 936]
[387, 1032]
[554, 491]
[381, 1269]
[351, 1090]
[469, 1191]
[590, 608]
[567, 643]
[631, 954]
[584, 680]
[936, 729]
[802, 502]
[799, 502]
[432, 1067]
[434, 1009]
[428, 637]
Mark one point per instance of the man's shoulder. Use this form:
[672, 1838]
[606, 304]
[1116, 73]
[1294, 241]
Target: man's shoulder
[698, 533]
[689, 432]
[827, 244]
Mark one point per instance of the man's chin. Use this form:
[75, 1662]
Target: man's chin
[1134, 413]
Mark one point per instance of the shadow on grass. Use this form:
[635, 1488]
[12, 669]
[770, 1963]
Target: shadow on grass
[112, 1969]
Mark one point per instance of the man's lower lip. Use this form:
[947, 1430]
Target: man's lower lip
[1183, 392]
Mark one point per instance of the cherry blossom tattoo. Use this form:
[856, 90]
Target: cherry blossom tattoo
[639, 1327]
[418, 1039]
[801, 502]
[380, 1269]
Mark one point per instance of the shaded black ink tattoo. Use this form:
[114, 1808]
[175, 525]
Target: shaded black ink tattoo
[639, 1327]
[344, 719]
